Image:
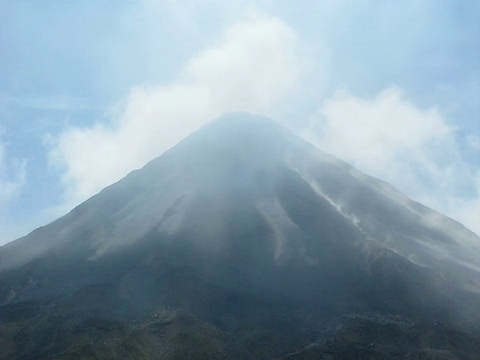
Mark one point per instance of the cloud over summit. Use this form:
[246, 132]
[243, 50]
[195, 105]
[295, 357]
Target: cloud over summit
[251, 67]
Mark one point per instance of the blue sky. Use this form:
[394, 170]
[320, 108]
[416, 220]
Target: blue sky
[92, 90]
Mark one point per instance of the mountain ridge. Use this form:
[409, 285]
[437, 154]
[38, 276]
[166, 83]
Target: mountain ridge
[250, 229]
[249, 124]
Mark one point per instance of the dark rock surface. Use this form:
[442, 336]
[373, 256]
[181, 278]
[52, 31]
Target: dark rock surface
[243, 242]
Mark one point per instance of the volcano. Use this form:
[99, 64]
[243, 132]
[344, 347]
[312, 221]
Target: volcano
[243, 242]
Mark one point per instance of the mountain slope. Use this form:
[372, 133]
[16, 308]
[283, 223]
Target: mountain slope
[248, 234]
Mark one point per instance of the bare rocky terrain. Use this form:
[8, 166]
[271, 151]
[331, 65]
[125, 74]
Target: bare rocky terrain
[243, 242]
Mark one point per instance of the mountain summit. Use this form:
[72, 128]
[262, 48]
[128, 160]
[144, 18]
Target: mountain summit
[243, 242]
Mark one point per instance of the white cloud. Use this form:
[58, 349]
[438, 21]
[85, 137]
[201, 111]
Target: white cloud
[12, 180]
[12, 177]
[412, 148]
[252, 67]
[380, 129]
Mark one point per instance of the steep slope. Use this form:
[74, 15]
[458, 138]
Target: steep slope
[248, 234]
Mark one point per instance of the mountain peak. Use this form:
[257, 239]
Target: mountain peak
[243, 120]
[240, 133]
[228, 149]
